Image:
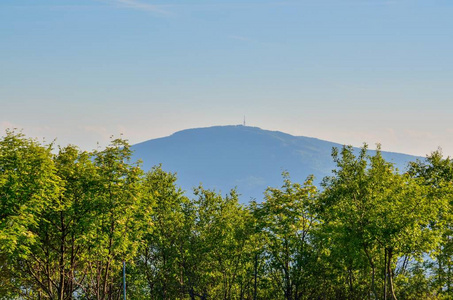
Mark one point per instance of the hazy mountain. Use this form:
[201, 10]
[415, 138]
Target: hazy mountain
[249, 158]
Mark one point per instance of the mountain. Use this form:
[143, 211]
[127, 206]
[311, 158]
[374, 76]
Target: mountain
[248, 158]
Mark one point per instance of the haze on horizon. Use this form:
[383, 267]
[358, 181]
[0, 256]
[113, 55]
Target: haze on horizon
[348, 71]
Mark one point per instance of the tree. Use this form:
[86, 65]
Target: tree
[161, 259]
[28, 187]
[287, 222]
[55, 262]
[379, 218]
[436, 172]
[219, 235]
[118, 221]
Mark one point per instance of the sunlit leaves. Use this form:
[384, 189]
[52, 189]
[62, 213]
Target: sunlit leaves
[70, 218]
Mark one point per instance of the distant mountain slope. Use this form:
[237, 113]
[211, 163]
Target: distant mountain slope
[249, 158]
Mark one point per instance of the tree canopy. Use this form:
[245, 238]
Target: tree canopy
[70, 219]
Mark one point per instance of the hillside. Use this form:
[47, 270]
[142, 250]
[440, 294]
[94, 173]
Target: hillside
[248, 158]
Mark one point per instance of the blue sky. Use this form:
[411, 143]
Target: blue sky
[348, 71]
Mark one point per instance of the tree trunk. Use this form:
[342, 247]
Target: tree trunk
[385, 274]
[255, 287]
[61, 285]
[373, 273]
[389, 269]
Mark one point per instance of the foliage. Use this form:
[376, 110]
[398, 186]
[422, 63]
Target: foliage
[286, 222]
[379, 218]
[69, 219]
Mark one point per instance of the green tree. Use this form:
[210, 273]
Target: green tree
[119, 221]
[161, 259]
[56, 257]
[436, 172]
[287, 222]
[379, 218]
[28, 188]
[219, 235]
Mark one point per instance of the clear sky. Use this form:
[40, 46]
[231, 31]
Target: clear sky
[348, 71]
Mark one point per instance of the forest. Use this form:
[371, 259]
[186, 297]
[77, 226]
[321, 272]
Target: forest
[70, 219]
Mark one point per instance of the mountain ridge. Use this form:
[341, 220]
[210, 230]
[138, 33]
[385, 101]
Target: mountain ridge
[243, 157]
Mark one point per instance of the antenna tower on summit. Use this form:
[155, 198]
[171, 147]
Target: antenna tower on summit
[244, 120]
